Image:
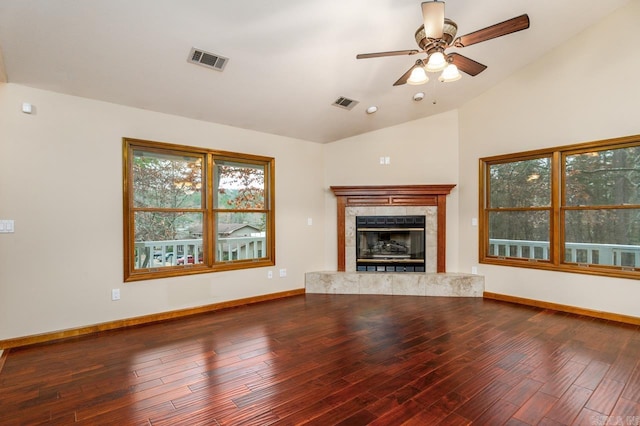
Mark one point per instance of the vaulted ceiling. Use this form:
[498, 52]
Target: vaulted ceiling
[289, 60]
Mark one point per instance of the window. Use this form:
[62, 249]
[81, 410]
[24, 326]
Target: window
[192, 210]
[573, 208]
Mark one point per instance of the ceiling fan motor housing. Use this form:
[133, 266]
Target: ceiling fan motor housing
[448, 35]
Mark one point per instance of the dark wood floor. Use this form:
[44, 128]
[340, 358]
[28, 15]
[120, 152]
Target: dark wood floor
[337, 359]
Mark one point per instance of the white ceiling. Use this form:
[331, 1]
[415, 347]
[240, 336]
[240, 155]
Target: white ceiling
[289, 59]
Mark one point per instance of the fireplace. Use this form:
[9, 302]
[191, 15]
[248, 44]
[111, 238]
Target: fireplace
[392, 200]
[390, 243]
[362, 236]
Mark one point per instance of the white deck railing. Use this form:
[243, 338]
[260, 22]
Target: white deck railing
[152, 254]
[597, 254]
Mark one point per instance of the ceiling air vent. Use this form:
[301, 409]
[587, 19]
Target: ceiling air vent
[345, 103]
[206, 59]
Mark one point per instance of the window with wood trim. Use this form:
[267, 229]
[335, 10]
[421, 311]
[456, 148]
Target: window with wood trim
[192, 210]
[574, 208]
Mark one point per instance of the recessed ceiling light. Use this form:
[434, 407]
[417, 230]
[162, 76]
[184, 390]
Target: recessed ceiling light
[372, 109]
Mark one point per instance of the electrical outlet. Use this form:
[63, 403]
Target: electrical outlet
[115, 294]
[270, 274]
[283, 273]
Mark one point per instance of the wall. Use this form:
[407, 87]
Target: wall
[584, 90]
[61, 181]
[423, 151]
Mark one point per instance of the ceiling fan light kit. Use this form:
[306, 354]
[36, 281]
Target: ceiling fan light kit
[437, 34]
[436, 63]
[450, 74]
[418, 76]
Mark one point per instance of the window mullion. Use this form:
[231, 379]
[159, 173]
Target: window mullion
[557, 215]
[209, 206]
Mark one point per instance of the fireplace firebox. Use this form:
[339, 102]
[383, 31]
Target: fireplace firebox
[390, 243]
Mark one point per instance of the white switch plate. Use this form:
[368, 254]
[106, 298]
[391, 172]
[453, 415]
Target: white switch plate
[115, 294]
[269, 274]
[474, 221]
[7, 226]
[309, 221]
[283, 272]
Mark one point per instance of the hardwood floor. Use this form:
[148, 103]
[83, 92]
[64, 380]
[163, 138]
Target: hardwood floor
[337, 360]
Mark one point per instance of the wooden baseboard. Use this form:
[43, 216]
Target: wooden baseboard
[142, 320]
[3, 358]
[627, 319]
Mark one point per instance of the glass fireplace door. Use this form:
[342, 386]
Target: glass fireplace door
[390, 243]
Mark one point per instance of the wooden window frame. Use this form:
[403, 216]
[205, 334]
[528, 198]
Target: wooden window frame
[208, 209]
[557, 208]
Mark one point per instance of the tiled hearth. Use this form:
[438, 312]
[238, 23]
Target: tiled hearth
[426, 200]
[399, 284]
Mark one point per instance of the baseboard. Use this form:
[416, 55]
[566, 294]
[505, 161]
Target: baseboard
[142, 320]
[3, 358]
[627, 319]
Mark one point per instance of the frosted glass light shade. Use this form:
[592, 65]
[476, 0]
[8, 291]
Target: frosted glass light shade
[450, 74]
[418, 76]
[437, 62]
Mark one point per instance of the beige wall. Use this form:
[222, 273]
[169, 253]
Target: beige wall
[585, 90]
[422, 152]
[61, 181]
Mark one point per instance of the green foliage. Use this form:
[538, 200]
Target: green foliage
[603, 178]
[166, 182]
[240, 188]
[169, 182]
[593, 182]
[516, 185]
[524, 183]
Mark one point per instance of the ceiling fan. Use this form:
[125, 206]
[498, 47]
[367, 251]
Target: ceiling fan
[439, 33]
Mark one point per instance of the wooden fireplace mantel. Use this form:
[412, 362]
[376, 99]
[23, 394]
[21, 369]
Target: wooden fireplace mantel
[394, 195]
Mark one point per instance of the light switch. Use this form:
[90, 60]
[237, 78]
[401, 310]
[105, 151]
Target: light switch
[6, 226]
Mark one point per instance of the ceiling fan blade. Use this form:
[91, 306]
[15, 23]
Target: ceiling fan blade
[433, 17]
[509, 26]
[466, 65]
[392, 53]
[402, 80]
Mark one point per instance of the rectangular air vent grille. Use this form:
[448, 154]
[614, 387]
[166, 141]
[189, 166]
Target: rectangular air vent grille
[207, 59]
[345, 103]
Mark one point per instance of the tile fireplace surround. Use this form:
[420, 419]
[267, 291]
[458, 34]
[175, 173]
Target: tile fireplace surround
[424, 200]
